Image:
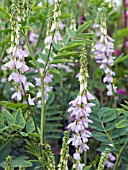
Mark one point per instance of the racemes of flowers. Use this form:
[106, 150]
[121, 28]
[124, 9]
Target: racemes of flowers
[80, 109]
[52, 35]
[104, 50]
[16, 58]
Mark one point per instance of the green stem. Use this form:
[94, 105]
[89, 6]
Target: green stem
[85, 158]
[42, 123]
[43, 115]
[121, 151]
[9, 140]
[117, 119]
[31, 111]
[110, 139]
[40, 36]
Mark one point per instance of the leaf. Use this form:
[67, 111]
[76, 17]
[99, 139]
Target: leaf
[124, 106]
[4, 14]
[100, 137]
[122, 111]
[1, 119]
[84, 35]
[56, 46]
[5, 30]
[65, 15]
[53, 112]
[9, 117]
[30, 127]
[68, 54]
[19, 119]
[24, 134]
[52, 136]
[16, 127]
[54, 70]
[54, 125]
[88, 167]
[54, 118]
[71, 46]
[16, 162]
[66, 39]
[56, 61]
[12, 105]
[122, 32]
[51, 99]
[83, 27]
[122, 124]
[32, 63]
[3, 127]
[70, 32]
[42, 56]
[120, 59]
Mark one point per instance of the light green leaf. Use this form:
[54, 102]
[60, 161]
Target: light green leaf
[120, 59]
[56, 46]
[42, 56]
[9, 117]
[68, 54]
[30, 127]
[19, 119]
[122, 124]
[83, 27]
[70, 32]
[71, 46]
[84, 35]
[53, 70]
[4, 14]
[56, 61]
[66, 39]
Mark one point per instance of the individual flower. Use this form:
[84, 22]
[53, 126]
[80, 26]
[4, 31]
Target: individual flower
[31, 101]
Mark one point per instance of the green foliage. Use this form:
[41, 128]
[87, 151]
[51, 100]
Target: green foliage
[104, 124]
[4, 14]
[53, 119]
[16, 162]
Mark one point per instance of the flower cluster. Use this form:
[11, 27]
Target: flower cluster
[80, 109]
[50, 158]
[64, 153]
[17, 55]
[110, 161]
[56, 23]
[104, 49]
[47, 79]
[103, 159]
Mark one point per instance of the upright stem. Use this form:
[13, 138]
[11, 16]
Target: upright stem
[85, 158]
[121, 151]
[43, 115]
[117, 118]
[42, 123]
